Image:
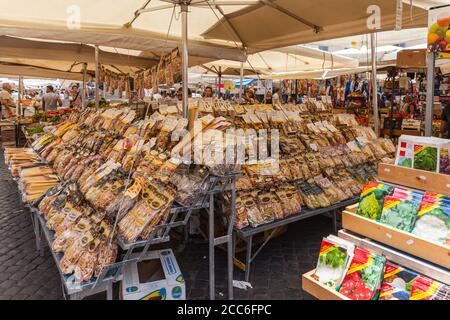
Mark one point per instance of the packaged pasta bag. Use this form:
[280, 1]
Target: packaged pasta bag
[400, 209]
[168, 193]
[72, 216]
[69, 236]
[241, 220]
[74, 252]
[371, 200]
[85, 266]
[290, 200]
[256, 216]
[152, 202]
[270, 205]
[107, 256]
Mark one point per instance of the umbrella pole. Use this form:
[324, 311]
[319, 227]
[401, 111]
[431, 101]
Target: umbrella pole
[430, 95]
[19, 97]
[375, 86]
[242, 79]
[220, 81]
[83, 88]
[184, 57]
[97, 78]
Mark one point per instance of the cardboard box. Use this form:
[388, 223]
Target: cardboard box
[157, 277]
[412, 59]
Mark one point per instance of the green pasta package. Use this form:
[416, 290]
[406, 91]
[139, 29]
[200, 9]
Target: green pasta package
[372, 198]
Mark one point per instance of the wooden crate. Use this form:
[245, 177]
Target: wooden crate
[319, 290]
[416, 179]
[401, 240]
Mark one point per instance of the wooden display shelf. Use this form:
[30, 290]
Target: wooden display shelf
[416, 179]
[398, 133]
[401, 240]
[319, 290]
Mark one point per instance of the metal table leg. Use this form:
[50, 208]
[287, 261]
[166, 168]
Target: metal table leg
[334, 217]
[230, 244]
[212, 286]
[109, 291]
[230, 268]
[248, 259]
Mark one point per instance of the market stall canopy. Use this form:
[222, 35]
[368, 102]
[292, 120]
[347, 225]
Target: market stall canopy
[319, 74]
[11, 47]
[279, 23]
[118, 24]
[11, 70]
[213, 70]
[295, 58]
[217, 29]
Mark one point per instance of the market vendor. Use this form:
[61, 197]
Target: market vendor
[445, 129]
[7, 103]
[51, 100]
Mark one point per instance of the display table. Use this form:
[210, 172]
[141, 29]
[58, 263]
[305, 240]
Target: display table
[248, 233]
[421, 255]
[319, 290]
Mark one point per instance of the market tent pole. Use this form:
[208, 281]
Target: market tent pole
[220, 81]
[184, 57]
[242, 79]
[430, 95]
[97, 78]
[19, 97]
[83, 88]
[376, 118]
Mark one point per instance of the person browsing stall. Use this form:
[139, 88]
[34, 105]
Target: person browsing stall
[51, 100]
[7, 103]
[208, 93]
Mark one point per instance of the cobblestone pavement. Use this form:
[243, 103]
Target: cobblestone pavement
[276, 272]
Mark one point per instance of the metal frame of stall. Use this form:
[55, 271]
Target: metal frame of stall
[179, 217]
[248, 233]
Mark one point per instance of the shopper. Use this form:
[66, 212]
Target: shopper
[51, 100]
[276, 97]
[250, 97]
[269, 97]
[157, 96]
[7, 105]
[180, 94]
[75, 97]
[408, 106]
[445, 129]
[208, 93]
